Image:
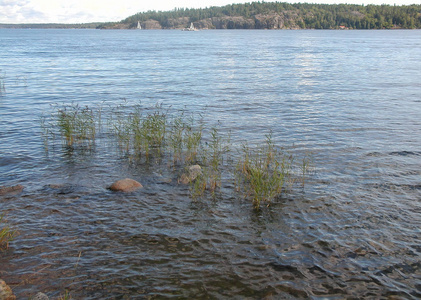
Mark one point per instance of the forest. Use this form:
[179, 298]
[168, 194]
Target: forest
[280, 15]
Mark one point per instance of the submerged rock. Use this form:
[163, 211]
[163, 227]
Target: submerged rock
[194, 172]
[125, 185]
[6, 292]
[15, 189]
[40, 296]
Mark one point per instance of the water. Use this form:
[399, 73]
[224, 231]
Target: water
[352, 98]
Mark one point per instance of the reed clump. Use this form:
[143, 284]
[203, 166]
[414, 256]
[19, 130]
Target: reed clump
[263, 173]
[150, 131]
[74, 124]
[192, 139]
[6, 234]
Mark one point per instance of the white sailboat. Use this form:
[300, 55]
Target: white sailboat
[138, 25]
[191, 28]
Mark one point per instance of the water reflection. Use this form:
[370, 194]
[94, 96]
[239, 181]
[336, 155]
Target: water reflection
[307, 68]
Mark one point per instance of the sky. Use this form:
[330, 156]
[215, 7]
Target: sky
[85, 11]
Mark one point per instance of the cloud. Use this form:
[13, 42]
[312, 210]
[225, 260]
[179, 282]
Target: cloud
[17, 11]
[62, 11]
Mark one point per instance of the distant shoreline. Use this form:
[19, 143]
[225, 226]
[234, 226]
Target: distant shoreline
[261, 16]
[28, 27]
[51, 26]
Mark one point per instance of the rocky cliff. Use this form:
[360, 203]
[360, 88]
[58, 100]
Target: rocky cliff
[284, 20]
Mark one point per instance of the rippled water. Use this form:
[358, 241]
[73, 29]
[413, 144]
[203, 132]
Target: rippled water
[352, 98]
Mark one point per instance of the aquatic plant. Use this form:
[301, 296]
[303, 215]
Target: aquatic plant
[66, 296]
[46, 132]
[2, 86]
[306, 163]
[6, 234]
[152, 130]
[192, 139]
[211, 157]
[119, 123]
[263, 173]
[175, 139]
[74, 124]
[199, 184]
[137, 132]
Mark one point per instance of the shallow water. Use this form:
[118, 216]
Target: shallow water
[352, 98]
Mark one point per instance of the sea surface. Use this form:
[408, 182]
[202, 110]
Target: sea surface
[350, 98]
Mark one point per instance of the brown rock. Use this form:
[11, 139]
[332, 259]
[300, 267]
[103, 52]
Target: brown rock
[16, 189]
[184, 179]
[125, 185]
[6, 292]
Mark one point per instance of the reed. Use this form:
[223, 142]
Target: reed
[305, 166]
[73, 123]
[211, 158]
[152, 130]
[66, 296]
[199, 185]
[99, 115]
[2, 86]
[218, 147]
[139, 133]
[6, 234]
[192, 139]
[45, 132]
[119, 125]
[175, 139]
[262, 173]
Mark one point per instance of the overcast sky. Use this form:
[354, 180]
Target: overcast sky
[84, 11]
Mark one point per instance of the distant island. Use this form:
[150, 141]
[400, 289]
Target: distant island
[265, 15]
[54, 25]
